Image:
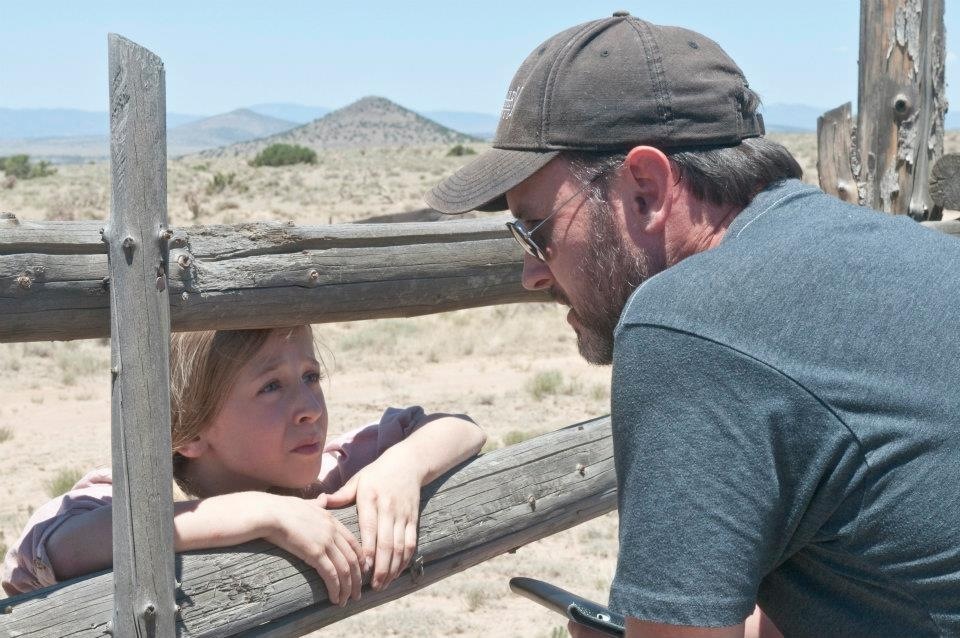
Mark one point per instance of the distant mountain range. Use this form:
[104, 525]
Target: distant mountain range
[64, 135]
[191, 137]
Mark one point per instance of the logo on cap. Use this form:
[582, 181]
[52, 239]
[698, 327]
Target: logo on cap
[510, 103]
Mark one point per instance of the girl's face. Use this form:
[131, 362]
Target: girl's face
[273, 424]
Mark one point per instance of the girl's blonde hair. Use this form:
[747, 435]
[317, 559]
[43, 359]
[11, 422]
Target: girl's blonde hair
[203, 368]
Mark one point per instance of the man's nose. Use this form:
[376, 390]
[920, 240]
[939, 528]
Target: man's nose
[536, 274]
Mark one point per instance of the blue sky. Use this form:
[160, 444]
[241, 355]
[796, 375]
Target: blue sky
[440, 55]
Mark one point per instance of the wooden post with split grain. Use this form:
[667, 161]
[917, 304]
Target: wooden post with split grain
[900, 112]
[143, 559]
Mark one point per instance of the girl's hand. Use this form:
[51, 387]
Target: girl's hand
[387, 493]
[304, 528]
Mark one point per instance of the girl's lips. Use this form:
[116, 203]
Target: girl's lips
[309, 448]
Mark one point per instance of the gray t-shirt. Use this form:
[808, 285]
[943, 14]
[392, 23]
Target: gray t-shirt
[786, 424]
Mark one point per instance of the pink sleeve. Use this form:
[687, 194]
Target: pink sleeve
[26, 566]
[349, 453]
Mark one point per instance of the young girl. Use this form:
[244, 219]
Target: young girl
[249, 428]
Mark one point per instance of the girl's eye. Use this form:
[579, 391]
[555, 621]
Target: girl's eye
[273, 386]
[313, 378]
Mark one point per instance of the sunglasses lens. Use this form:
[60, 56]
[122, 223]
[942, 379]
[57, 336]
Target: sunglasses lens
[522, 239]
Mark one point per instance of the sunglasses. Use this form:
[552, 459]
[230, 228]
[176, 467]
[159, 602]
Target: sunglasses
[525, 238]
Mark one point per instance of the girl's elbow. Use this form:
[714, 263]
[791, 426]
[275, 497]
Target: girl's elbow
[480, 439]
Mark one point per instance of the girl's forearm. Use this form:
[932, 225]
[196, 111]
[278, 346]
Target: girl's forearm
[83, 543]
[222, 521]
[439, 445]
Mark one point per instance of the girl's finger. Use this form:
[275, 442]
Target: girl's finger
[385, 545]
[342, 566]
[345, 495]
[409, 542]
[399, 548]
[330, 577]
[367, 521]
[352, 542]
[352, 586]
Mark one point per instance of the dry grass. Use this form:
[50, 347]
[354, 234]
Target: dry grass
[63, 480]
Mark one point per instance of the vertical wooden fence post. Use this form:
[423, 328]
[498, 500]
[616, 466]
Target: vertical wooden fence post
[136, 236]
[901, 103]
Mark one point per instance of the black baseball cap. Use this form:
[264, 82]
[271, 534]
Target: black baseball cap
[606, 85]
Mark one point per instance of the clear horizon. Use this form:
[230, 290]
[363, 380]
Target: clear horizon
[433, 56]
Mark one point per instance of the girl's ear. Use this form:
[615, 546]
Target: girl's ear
[193, 449]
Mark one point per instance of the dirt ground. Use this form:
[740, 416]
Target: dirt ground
[514, 368]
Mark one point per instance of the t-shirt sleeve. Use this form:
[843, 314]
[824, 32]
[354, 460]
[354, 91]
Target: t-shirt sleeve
[723, 464]
[347, 454]
[27, 566]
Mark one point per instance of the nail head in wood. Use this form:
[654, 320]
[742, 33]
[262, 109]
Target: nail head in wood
[532, 502]
[24, 281]
[183, 261]
[582, 469]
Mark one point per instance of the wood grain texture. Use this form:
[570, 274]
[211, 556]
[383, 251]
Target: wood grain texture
[945, 182]
[487, 506]
[835, 154]
[901, 104]
[143, 582]
[53, 277]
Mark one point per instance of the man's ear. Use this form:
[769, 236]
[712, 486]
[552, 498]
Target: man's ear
[651, 184]
[194, 448]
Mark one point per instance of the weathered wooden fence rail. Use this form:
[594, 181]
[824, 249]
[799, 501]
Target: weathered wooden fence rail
[490, 505]
[54, 282]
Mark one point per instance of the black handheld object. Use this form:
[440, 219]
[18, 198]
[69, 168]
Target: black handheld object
[581, 610]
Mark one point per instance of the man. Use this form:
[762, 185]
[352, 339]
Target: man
[784, 402]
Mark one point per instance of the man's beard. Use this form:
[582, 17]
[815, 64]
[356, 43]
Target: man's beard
[609, 273]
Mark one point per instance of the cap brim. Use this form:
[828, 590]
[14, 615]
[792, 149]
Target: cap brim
[482, 184]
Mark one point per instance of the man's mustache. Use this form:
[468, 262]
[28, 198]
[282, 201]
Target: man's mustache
[557, 295]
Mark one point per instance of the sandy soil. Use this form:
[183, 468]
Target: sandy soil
[55, 405]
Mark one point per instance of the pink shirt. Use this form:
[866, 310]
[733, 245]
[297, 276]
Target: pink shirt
[27, 567]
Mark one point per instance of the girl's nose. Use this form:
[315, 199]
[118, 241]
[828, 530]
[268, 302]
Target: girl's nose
[310, 405]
